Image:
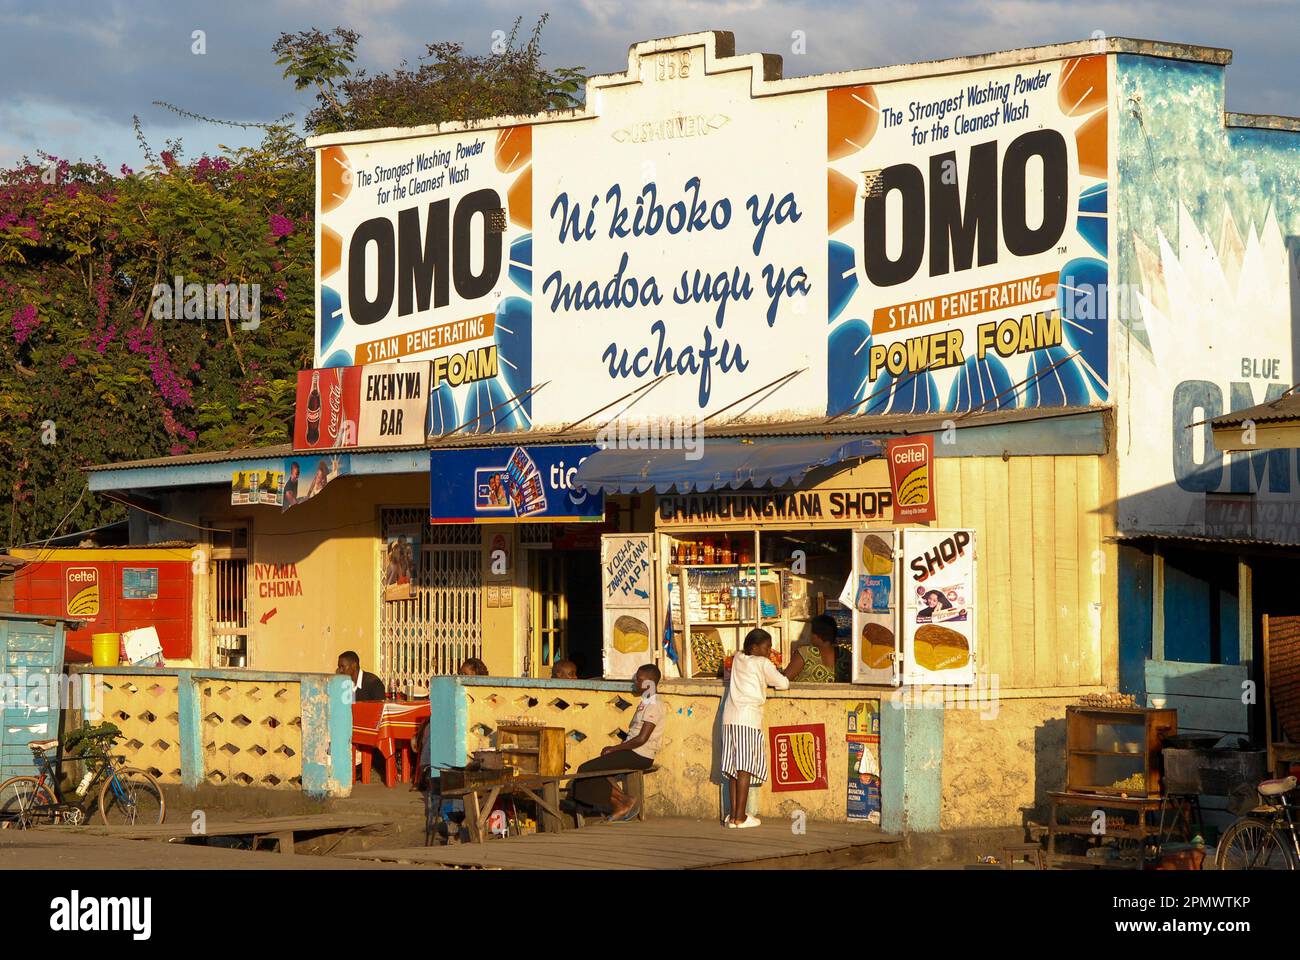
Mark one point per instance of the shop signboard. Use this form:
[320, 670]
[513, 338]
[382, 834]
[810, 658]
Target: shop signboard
[627, 594]
[798, 757]
[945, 232]
[937, 605]
[394, 398]
[871, 596]
[511, 485]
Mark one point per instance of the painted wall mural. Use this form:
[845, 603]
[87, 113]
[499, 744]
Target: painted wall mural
[1207, 310]
[920, 245]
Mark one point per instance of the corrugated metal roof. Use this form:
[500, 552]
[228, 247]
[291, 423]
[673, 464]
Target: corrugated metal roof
[1286, 407]
[891, 424]
[1203, 540]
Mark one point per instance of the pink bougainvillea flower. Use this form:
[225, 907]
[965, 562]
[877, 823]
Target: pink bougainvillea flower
[281, 226]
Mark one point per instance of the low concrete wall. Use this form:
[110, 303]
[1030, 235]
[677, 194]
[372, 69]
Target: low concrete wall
[239, 727]
[999, 761]
[467, 711]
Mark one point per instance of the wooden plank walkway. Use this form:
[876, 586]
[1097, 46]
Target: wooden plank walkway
[661, 844]
[250, 826]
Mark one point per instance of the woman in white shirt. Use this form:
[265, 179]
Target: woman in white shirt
[744, 751]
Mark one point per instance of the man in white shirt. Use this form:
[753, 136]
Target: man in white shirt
[644, 736]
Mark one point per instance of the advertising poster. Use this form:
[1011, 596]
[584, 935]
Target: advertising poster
[874, 607]
[798, 757]
[911, 477]
[401, 553]
[306, 477]
[938, 609]
[509, 484]
[243, 487]
[270, 487]
[81, 592]
[139, 583]
[968, 240]
[627, 592]
[946, 232]
[862, 732]
[326, 408]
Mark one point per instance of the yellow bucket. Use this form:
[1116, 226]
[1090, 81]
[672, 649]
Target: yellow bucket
[105, 649]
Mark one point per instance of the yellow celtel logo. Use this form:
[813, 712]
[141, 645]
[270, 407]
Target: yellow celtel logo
[803, 748]
[915, 487]
[85, 602]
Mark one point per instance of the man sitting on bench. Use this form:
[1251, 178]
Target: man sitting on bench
[644, 735]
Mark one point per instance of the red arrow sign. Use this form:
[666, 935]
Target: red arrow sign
[268, 615]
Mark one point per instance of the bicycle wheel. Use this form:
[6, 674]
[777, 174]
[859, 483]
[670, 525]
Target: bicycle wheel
[133, 798]
[18, 796]
[1254, 844]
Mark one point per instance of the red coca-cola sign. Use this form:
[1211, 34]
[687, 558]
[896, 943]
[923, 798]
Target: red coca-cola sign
[327, 408]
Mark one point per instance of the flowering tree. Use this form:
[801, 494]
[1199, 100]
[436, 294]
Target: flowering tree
[117, 341]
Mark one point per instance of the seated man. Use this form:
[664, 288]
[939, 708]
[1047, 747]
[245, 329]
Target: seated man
[366, 686]
[644, 735]
[564, 670]
[473, 667]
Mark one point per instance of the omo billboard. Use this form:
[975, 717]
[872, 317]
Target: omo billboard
[894, 245]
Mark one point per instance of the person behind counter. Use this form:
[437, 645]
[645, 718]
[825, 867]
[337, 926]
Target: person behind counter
[366, 686]
[814, 660]
[564, 670]
[744, 749]
[644, 735]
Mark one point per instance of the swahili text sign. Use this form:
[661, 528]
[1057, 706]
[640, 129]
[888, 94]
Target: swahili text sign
[624, 244]
[394, 400]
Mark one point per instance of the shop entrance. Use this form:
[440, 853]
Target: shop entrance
[564, 611]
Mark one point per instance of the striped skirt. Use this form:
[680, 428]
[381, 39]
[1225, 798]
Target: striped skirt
[744, 748]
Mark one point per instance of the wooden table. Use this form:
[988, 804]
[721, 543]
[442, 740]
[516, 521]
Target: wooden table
[544, 791]
[387, 726]
[1178, 808]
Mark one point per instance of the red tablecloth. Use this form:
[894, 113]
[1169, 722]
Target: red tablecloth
[387, 726]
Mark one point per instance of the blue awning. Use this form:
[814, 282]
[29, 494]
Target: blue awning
[719, 464]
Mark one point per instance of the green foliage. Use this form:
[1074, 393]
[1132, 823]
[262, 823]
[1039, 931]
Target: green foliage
[93, 366]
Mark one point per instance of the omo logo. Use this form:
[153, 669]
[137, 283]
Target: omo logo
[421, 265]
[963, 225]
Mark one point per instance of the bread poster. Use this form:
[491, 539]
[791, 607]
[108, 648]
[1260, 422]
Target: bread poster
[938, 615]
[872, 590]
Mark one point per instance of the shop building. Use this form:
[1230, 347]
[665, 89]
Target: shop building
[514, 315]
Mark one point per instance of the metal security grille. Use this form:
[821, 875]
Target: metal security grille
[440, 625]
[230, 612]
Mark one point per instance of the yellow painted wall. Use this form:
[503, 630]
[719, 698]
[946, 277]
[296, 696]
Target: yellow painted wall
[332, 541]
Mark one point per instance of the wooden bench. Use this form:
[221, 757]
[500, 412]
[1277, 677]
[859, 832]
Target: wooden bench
[543, 791]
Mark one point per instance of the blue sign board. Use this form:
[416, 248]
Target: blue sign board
[510, 484]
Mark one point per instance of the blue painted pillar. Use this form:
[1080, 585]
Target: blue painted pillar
[448, 723]
[911, 765]
[190, 710]
[326, 736]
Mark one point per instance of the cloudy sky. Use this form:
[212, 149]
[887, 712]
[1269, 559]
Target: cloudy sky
[74, 73]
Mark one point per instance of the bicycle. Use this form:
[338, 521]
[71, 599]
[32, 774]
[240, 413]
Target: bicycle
[1267, 838]
[125, 795]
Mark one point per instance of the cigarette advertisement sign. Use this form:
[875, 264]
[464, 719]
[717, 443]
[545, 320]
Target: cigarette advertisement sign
[592, 257]
[938, 606]
[511, 484]
[798, 755]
